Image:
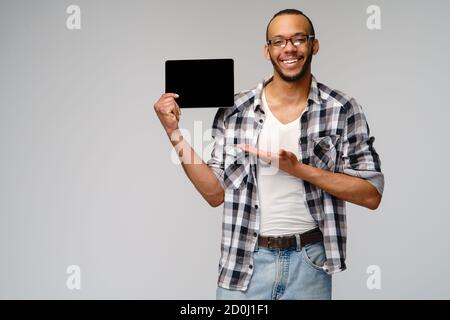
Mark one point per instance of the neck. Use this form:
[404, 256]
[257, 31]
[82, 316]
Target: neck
[289, 93]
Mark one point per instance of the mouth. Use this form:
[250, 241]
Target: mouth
[290, 62]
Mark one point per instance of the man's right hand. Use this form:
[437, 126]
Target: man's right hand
[168, 112]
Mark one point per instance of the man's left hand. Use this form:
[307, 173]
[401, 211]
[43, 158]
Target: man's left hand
[285, 160]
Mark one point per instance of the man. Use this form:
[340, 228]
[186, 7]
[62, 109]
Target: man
[286, 157]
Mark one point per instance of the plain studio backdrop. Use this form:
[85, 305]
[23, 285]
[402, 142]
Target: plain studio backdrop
[86, 171]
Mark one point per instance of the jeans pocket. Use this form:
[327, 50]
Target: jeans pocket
[314, 255]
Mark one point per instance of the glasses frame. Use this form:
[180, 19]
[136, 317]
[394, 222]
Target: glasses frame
[308, 37]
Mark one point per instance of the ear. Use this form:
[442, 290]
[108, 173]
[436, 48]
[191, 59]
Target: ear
[316, 46]
[266, 52]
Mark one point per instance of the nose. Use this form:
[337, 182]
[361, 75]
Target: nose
[290, 46]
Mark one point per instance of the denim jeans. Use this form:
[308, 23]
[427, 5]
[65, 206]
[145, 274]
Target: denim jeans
[291, 273]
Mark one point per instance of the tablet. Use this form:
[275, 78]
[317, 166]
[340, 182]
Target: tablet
[205, 83]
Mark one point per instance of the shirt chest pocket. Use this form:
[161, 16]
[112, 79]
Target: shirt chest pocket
[324, 152]
[236, 168]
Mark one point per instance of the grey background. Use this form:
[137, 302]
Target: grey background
[86, 176]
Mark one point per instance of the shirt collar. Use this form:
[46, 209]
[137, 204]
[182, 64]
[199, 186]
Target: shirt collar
[314, 93]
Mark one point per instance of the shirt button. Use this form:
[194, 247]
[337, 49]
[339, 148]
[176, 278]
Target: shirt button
[256, 206]
[255, 234]
[250, 266]
[261, 120]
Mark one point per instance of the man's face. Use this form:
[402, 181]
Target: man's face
[291, 63]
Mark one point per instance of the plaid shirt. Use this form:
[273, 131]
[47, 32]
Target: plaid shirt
[334, 136]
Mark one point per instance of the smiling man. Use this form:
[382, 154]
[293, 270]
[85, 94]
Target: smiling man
[286, 158]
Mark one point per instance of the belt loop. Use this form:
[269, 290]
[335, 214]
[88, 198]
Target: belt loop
[299, 244]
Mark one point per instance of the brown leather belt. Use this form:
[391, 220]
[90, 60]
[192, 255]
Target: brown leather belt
[311, 236]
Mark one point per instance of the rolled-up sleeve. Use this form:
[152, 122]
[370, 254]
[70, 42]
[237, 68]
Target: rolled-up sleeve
[359, 155]
[216, 162]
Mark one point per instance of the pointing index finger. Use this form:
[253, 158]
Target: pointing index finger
[256, 152]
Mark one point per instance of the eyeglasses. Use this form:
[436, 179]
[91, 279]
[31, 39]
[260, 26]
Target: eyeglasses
[296, 40]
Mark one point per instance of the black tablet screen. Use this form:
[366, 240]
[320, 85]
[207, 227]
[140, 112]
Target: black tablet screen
[201, 83]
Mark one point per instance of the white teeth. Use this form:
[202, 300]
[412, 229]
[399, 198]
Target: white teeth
[290, 61]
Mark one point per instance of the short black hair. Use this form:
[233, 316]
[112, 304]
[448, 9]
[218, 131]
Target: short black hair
[290, 11]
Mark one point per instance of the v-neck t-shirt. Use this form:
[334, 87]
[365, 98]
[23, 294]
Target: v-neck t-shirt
[282, 196]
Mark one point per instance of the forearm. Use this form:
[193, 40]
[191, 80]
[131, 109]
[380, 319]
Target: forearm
[198, 172]
[342, 186]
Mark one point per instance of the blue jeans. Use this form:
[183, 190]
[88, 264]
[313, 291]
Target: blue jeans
[292, 274]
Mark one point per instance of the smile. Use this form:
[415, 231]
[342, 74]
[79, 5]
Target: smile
[291, 61]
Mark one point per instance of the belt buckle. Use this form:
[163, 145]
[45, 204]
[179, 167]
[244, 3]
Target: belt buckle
[268, 242]
[277, 242]
[273, 244]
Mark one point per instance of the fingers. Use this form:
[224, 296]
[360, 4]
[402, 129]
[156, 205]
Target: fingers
[168, 112]
[166, 105]
[168, 99]
[177, 112]
[242, 146]
[248, 148]
[170, 94]
[282, 159]
[282, 153]
[264, 155]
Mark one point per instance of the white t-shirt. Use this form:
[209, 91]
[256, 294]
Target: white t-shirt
[282, 196]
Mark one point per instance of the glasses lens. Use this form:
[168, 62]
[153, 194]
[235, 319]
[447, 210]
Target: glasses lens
[299, 40]
[278, 42]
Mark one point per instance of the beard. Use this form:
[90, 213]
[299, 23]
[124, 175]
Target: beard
[295, 77]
